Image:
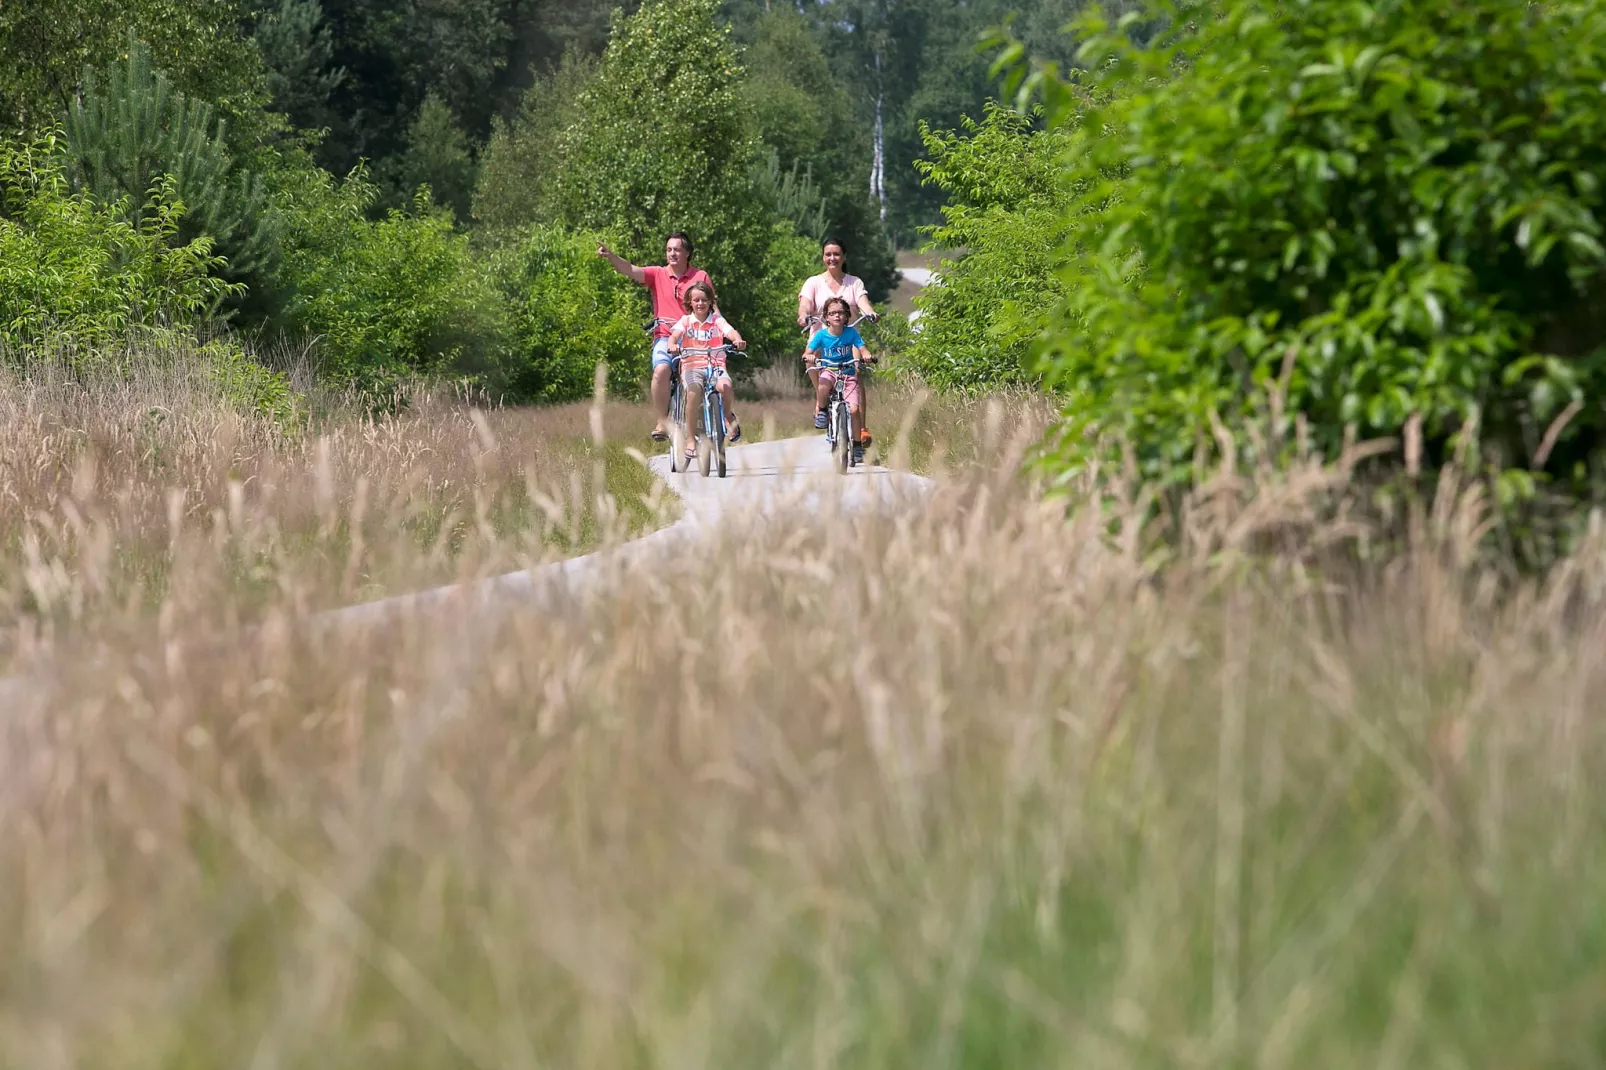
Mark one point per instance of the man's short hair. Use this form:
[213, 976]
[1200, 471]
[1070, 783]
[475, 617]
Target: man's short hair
[684, 238]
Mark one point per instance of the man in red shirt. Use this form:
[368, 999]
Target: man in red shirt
[666, 285]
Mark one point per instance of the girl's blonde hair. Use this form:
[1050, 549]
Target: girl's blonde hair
[707, 288]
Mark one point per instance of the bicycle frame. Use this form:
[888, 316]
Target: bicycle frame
[713, 414]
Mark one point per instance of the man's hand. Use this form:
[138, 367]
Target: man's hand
[604, 251]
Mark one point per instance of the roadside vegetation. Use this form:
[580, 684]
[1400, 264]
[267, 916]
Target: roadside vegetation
[1229, 701]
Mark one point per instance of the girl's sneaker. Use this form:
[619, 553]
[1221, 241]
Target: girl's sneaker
[819, 419]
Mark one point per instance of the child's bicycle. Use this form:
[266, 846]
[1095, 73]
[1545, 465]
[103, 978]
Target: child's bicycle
[711, 446]
[845, 453]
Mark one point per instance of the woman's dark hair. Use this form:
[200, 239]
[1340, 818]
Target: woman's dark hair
[836, 242]
[684, 238]
[847, 309]
[685, 298]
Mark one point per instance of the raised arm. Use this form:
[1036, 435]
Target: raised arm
[622, 266]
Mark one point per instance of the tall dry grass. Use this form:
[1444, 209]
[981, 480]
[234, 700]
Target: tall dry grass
[108, 482]
[976, 785]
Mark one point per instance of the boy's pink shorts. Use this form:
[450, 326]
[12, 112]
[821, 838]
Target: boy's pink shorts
[850, 385]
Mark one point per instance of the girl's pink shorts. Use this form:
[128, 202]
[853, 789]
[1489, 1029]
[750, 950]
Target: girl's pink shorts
[850, 385]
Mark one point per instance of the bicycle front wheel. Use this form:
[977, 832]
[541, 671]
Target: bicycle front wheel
[844, 438]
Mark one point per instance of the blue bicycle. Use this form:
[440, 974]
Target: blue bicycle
[711, 446]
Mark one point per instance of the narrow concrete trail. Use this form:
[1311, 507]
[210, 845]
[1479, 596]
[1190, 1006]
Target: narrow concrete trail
[765, 482]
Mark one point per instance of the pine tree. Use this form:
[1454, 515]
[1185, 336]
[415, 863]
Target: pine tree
[132, 127]
[298, 50]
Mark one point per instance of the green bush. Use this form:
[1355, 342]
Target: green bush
[1393, 208]
[74, 270]
[249, 386]
[394, 299]
[1006, 212]
[569, 311]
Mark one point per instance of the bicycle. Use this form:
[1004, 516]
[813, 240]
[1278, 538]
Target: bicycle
[839, 420]
[677, 399]
[711, 447]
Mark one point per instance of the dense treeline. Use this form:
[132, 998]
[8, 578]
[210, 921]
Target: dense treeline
[417, 186]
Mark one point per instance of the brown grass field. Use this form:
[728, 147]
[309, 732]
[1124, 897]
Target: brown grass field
[992, 784]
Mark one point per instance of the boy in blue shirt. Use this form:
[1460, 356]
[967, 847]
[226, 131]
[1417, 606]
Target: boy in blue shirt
[836, 349]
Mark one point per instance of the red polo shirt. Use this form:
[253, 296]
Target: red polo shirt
[667, 292]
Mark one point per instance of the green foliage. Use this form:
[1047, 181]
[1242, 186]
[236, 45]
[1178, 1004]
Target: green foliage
[666, 143]
[805, 115]
[298, 52]
[46, 44]
[393, 299]
[792, 194]
[249, 387]
[75, 270]
[437, 156]
[515, 181]
[129, 130]
[1371, 211]
[570, 310]
[393, 56]
[1005, 213]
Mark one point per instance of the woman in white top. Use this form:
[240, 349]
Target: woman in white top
[817, 289]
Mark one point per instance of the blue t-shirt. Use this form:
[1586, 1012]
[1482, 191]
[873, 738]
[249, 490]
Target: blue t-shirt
[835, 350]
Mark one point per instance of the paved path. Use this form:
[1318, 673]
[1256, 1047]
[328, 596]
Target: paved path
[765, 481]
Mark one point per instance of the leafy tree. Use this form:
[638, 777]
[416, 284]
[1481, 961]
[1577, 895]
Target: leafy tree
[1006, 209]
[667, 143]
[45, 45]
[437, 156]
[131, 128]
[1371, 213]
[805, 114]
[515, 184]
[394, 55]
[792, 194]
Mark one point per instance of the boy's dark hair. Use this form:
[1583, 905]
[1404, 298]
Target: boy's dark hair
[829, 241]
[684, 238]
[847, 309]
[707, 288]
